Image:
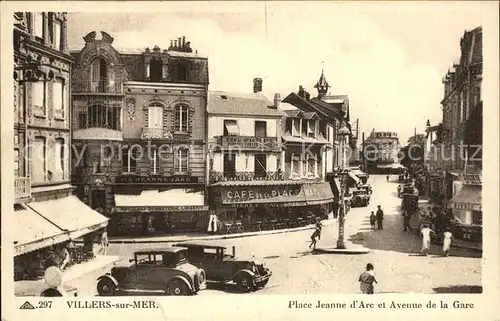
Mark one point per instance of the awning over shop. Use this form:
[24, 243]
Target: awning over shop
[31, 231]
[356, 179]
[173, 200]
[469, 198]
[279, 195]
[71, 215]
[318, 193]
[336, 187]
[393, 166]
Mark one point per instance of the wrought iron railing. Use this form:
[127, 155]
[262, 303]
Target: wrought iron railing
[22, 187]
[154, 133]
[98, 86]
[246, 176]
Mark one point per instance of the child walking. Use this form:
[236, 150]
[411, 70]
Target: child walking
[367, 279]
[316, 234]
[373, 220]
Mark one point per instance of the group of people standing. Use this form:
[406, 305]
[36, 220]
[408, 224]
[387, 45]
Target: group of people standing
[377, 220]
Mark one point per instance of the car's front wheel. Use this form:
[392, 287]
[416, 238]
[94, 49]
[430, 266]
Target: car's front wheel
[245, 283]
[106, 287]
[177, 287]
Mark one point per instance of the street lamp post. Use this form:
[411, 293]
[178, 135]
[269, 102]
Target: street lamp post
[342, 132]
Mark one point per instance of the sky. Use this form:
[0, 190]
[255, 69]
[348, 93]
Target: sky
[389, 59]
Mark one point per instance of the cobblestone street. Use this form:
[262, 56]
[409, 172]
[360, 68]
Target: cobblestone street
[394, 253]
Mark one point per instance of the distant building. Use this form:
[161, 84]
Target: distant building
[139, 125]
[381, 150]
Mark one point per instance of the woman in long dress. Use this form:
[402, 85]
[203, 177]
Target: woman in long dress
[447, 236]
[426, 239]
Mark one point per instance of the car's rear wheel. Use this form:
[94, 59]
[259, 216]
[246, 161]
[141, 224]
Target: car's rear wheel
[245, 283]
[177, 287]
[106, 287]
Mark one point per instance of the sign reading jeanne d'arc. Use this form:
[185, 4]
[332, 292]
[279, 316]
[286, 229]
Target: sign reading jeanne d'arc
[155, 179]
[466, 206]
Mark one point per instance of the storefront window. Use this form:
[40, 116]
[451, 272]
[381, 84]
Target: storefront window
[477, 217]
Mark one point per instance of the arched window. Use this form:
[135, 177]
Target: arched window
[181, 118]
[99, 75]
[155, 115]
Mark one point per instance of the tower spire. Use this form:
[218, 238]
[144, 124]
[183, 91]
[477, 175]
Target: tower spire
[322, 85]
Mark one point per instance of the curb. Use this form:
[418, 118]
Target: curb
[211, 237]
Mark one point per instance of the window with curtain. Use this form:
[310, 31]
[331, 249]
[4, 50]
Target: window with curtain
[59, 160]
[181, 118]
[296, 127]
[311, 164]
[181, 160]
[38, 24]
[38, 93]
[58, 97]
[311, 128]
[229, 164]
[156, 162]
[39, 160]
[296, 164]
[57, 35]
[155, 115]
[98, 75]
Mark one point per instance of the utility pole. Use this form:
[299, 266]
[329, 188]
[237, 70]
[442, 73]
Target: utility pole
[363, 165]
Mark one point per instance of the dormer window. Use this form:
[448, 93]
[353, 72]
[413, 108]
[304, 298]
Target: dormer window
[182, 71]
[98, 74]
[156, 70]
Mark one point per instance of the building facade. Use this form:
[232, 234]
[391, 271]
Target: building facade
[381, 151]
[457, 159]
[42, 140]
[139, 122]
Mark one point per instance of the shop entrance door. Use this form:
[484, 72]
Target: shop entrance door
[98, 201]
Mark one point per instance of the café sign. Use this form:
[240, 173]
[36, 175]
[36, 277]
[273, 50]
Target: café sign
[270, 193]
[155, 179]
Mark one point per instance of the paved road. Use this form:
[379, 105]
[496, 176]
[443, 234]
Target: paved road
[296, 270]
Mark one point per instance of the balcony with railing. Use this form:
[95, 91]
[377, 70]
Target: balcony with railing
[155, 133]
[22, 188]
[102, 86]
[248, 143]
[216, 177]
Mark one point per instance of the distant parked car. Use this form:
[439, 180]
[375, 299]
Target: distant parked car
[166, 271]
[360, 198]
[220, 267]
[367, 188]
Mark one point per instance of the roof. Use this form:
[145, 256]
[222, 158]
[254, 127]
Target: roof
[173, 249]
[140, 51]
[332, 107]
[315, 104]
[206, 244]
[241, 104]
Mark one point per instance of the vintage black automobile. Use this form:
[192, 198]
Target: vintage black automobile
[360, 198]
[367, 188]
[166, 271]
[220, 267]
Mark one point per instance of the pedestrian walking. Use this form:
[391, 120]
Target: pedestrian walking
[366, 280]
[406, 221]
[380, 218]
[104, 242]
[447, 237]
[387, 177]
[373, 220]
[426, 239]
[316, 234]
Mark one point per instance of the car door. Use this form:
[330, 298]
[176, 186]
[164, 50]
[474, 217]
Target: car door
[212, 265]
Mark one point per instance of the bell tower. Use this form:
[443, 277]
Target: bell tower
[322, 85]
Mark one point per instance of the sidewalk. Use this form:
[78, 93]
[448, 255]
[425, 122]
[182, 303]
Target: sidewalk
[204, 236]
[35, 287]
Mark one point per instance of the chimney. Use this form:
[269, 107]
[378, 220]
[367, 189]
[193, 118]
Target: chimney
[175, 44]
[277, 100]
[183, 41]
[257, 85]
[180, 42]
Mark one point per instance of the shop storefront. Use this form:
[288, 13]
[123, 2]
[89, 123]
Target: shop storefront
[45, 229]
[241, 206]
[154, 212]
[467, 209]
